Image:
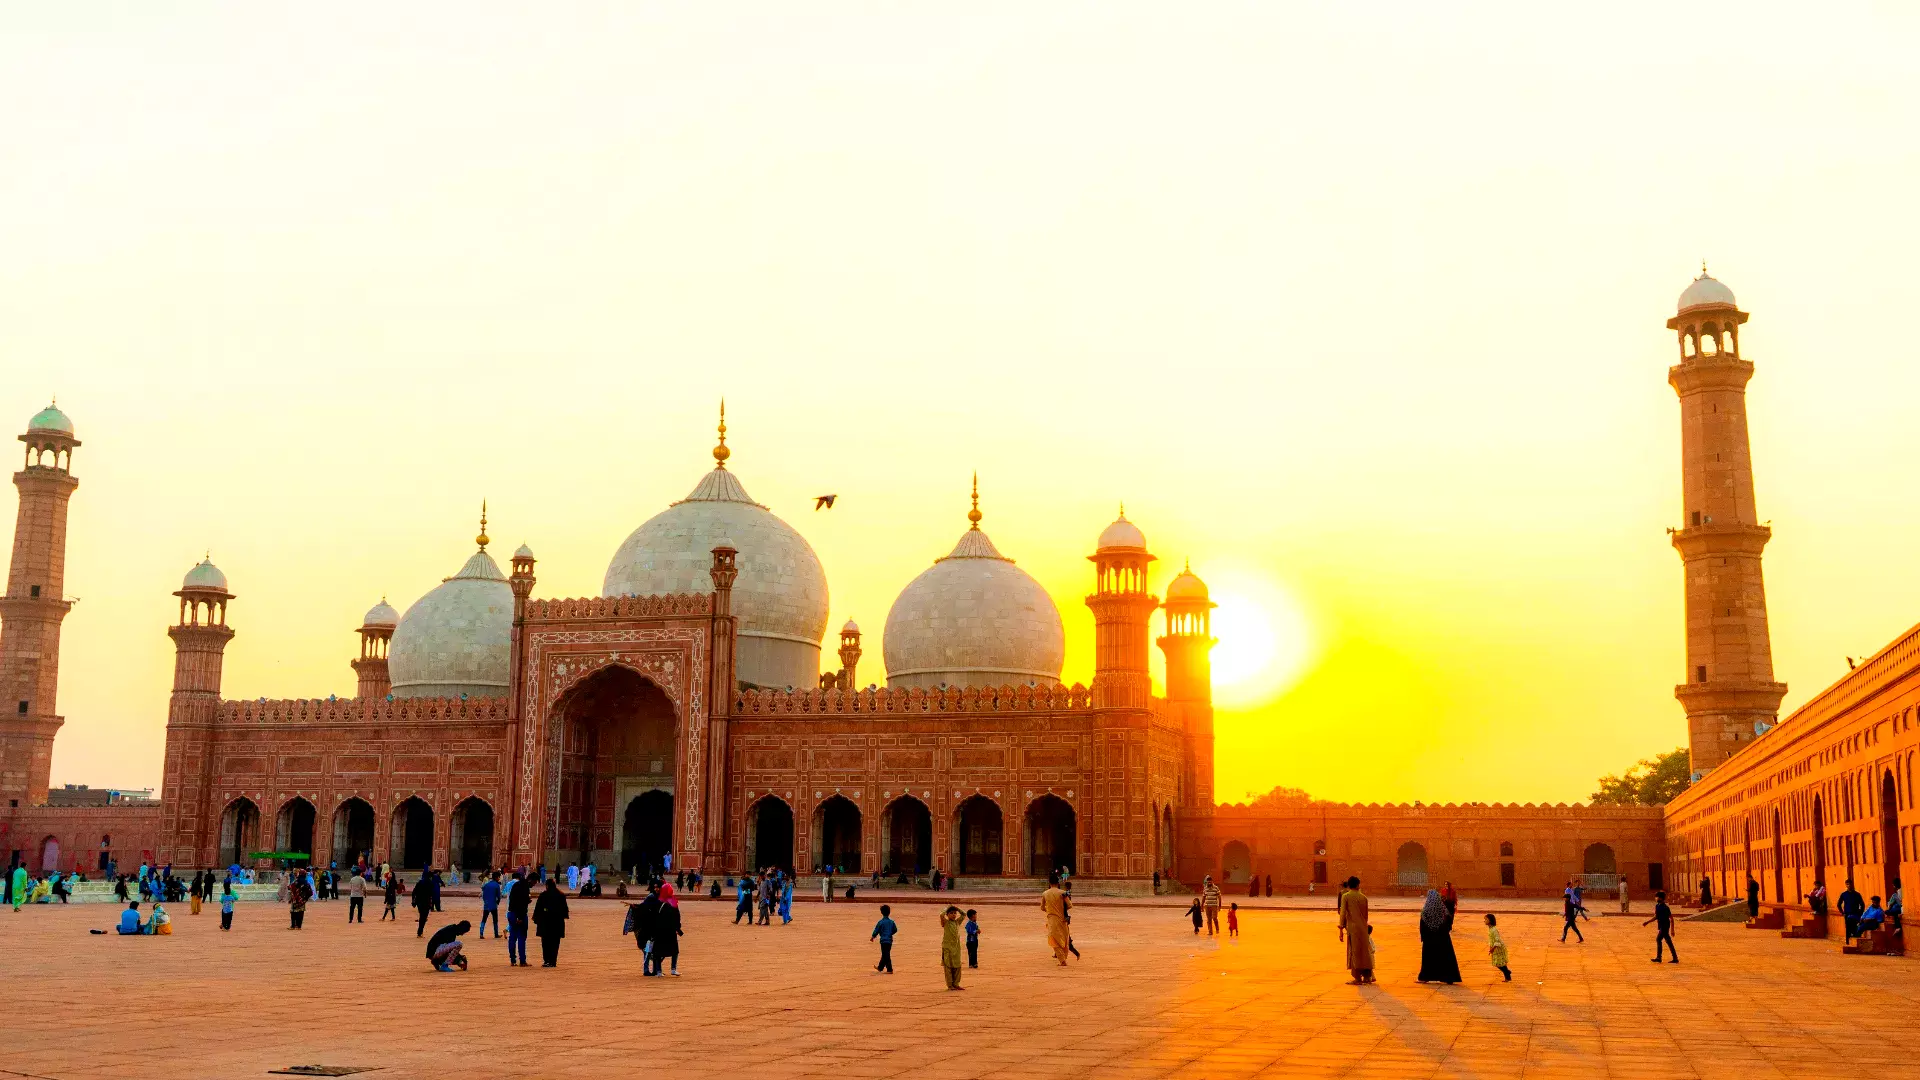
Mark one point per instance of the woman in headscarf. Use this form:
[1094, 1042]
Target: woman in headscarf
[642, 919]
[786, 901]
[666, 932]
[1353, 925]
[550, 922]
[1437, 962]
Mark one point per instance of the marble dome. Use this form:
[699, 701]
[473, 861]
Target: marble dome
[381, 614]
[205, 575]
[455, 639]
[1122, 535]
[51, 419]
[779, 597]
[1186, 586]
[973, 619]
[1705, 290]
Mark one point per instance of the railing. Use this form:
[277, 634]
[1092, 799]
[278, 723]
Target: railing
[1412, 879]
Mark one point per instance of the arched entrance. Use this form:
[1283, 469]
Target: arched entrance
[1599, 860]
[769, 835]
[1052, 836]
[978, 836]
[353, 832]
[472, 837]
[1166, 839]
[1236, 863]
[646, 833]
[1819, 842]
[1410, 866]
[239, 831]
[1889, 833]
[49, 855]
[836, 835]
[293, 828]
[906, 835]
[412, 847]
[618, 733]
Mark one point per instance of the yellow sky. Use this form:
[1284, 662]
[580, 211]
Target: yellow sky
[1358, 308]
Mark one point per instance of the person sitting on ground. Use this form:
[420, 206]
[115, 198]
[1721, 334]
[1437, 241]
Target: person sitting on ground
[130, 920]
[161, 923]
[443, 948]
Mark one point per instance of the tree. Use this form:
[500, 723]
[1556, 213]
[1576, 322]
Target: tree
[1652, 782]
[1282, 796]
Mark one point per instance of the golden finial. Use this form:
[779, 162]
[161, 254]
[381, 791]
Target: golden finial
[1703, 266]
[720, 452]
[1123, 510]
[482, 538]
[973, 515]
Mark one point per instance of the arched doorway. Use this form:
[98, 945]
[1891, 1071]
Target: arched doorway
[1599, 863]
[1889, 833]
[646, 833]
[412, 847]
[293, 828]
[1236, 863]
[1819, 842]
[1052, 836]
[239, 831]
[907, 837]
[1410, 866]
[978, 837]
[1166, 839]
[769, 835]
[353, 832]
[49, 854]
[619, 734]
[472, 836]
[836, 835]
[1779, 871]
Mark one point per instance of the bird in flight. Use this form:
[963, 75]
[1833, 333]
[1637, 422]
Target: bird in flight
[824, 502]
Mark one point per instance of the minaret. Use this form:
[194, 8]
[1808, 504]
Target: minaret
[849, 656]
[1187, 643]
[1729, 694]
[1122, 608]
[519, 830]
[200, 638]
[376, 635]
[32, 609]
[189, 812]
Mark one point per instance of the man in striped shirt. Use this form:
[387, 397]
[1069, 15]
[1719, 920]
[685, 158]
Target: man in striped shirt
[1210, 903]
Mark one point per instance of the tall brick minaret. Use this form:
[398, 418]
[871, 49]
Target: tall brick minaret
[1188, 644]
[1730, 687]
[376, 634]
[189, 813]
[33, 608]
[1122, 610]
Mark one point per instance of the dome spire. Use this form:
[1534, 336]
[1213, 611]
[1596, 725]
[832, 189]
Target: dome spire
[973, 515]
[482, 538]
[720, 452]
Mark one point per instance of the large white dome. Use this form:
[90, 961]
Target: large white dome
[779, 598]
[973, 619]
[456, 639]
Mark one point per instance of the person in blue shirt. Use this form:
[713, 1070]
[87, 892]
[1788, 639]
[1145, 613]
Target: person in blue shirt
[226, 906]
[490, 904]
[786, 901]
[973, 939]
[1872, 918]
[884, 930]
[744, 903]
[130, 920]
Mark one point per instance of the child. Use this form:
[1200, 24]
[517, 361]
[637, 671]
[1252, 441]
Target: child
[1194, 914]
[1663, 939]
[1497, 948]
[950, 921]
[884, 930]
[226, 906]
[973, 939]
[1233, 920]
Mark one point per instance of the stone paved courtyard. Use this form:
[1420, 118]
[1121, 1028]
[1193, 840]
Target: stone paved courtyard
[1148, 1000]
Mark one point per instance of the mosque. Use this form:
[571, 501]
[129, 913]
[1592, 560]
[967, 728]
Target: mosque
[688, 711]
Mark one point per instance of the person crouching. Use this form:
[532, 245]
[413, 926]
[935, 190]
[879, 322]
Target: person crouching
[444, 947]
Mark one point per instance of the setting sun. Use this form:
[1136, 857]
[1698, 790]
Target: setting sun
[1265, 639]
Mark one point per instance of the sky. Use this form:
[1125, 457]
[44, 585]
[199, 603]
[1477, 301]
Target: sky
[1359, 309]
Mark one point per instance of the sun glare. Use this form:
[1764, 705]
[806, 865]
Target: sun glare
[1265, 640]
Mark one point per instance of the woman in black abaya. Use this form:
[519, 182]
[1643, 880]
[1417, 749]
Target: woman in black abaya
[1437, 962]
[550, 922]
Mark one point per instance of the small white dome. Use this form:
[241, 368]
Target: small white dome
[523, 552]
[381, 614]
[851, 627]
[779, 598]
[1703, 291]
[1122, 535]
[1186, 586]
[51, 419]
[205, 575]
[455, 639]
[973, 619]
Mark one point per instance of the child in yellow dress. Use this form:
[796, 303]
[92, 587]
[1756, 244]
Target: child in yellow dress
[1497, 948]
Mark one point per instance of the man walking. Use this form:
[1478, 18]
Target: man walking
[490, 905]
[1570, 908]
[1210, 904]
[519, 896]
[1663, 915]
[425, 899]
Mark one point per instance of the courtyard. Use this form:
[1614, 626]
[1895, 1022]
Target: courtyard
[1148, 999]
